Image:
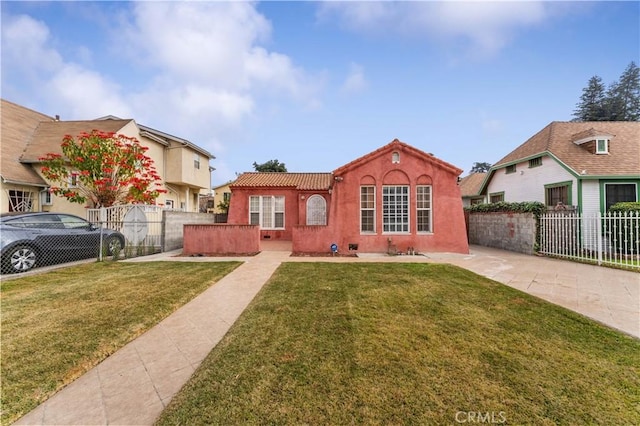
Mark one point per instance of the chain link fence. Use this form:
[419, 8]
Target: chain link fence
[32, 240]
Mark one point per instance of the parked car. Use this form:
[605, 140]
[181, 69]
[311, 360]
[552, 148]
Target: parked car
[36, 239]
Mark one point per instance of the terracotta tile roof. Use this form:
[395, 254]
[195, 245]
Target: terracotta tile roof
[300, 181]
[470, 185]
[392, 146]
[18, 125]
[48, 135]
[558, 138]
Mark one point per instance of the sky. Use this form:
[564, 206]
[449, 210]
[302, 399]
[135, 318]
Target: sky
[316, 85]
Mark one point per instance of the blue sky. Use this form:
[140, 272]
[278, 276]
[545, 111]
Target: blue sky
[318, 84]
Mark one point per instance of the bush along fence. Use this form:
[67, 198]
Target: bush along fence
[612, 238]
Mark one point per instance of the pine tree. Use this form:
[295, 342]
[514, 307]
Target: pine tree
[592, 106]
[623, 96]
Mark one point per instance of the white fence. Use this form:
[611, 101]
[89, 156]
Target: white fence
[141, 226]
[611, 238]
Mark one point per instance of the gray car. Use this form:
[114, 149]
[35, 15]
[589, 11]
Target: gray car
[36, 239]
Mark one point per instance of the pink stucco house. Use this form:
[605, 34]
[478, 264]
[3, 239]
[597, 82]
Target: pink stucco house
[396, 198]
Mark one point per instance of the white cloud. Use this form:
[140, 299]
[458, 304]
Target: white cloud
[24, 46]
[194, 69]
[485, 27]
[216, 46]
[355, 81]
[87, 93]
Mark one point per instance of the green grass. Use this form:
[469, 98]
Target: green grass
[58, 325]
[409, 344]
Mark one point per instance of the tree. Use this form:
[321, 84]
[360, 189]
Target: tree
[102, 169]
[270, 166]
[224, 205]
[624, 96]
[480, 167]
[591, 105]
[621, 102]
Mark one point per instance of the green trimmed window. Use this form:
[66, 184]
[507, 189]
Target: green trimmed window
[496, 197]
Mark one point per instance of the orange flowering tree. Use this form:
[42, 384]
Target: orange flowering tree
[102, 169]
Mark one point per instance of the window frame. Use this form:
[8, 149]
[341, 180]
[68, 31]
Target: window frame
[313, 212]
[370, 210]
[46, 197]
[400, 212]
[606, 186]
[535, 162]
[428, 209]
[276, 211]
[495, 194]
[511, 168]
[605, 148]
[196, 160]
[20, 200]
[551, 186]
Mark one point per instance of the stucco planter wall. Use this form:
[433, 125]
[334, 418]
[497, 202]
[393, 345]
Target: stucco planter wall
[221, 239]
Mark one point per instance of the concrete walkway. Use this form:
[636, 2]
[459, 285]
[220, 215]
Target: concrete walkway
[133, 386]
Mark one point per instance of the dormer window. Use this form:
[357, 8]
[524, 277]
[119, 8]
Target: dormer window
[395, 158]
[602, 146]
[592, 140]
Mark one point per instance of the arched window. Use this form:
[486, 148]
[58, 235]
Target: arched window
[316, 210]
[395, 157]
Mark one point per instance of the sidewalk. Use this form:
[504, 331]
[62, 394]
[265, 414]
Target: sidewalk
[133, 386]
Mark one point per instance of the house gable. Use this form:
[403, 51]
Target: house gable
[394, 151]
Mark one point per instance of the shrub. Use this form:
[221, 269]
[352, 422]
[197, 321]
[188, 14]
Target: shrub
[625, 207]
[623, 229]
[534, 207]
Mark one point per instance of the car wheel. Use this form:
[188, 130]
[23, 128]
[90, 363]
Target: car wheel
[114, 245]
[20, 259]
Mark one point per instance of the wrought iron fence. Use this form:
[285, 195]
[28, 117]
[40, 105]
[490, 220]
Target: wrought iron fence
[611, 238]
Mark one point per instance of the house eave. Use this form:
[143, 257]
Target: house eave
[24, 183]
[593, 138]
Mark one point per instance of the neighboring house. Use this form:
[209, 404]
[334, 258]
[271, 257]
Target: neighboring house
[221, 193]
[470, 186]
[396, 198]
[587, 165]
[28, 135]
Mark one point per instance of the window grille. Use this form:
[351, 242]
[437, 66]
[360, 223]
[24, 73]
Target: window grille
[395, 208]
[316, 210]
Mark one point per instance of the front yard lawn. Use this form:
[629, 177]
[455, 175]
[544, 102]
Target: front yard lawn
[329, 343]
[58, 325]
